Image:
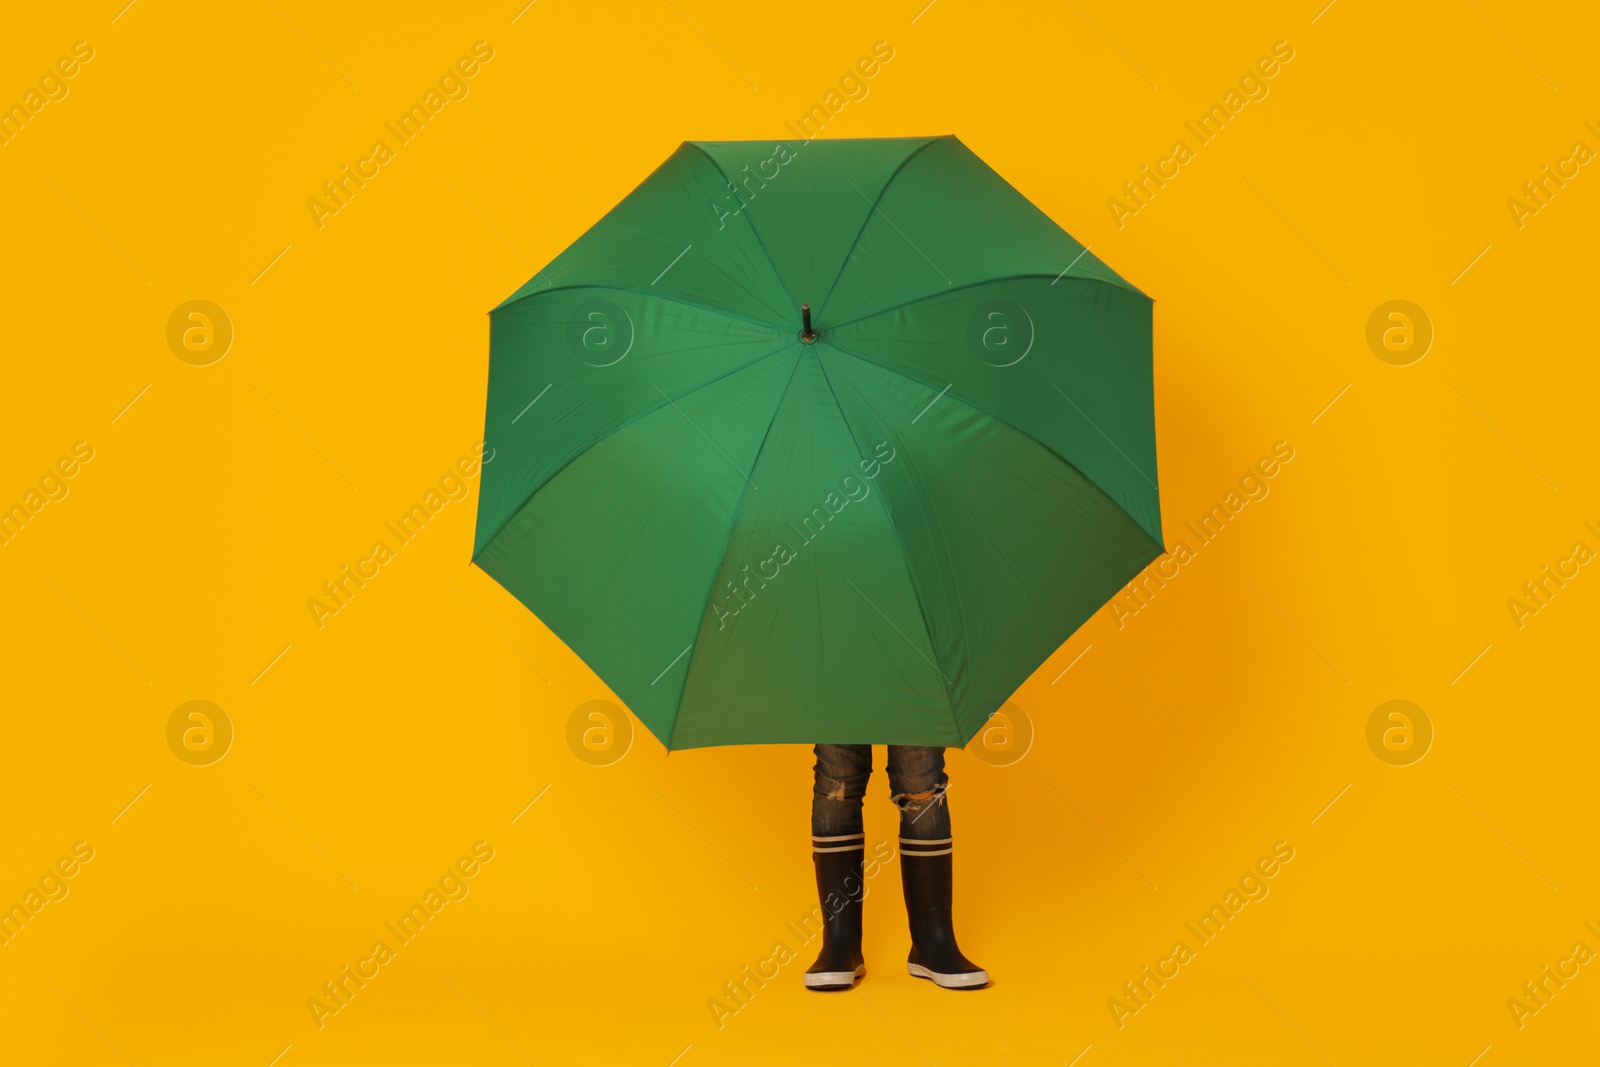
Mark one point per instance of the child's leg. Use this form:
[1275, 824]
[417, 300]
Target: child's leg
[838, 851]
[917, 784]
[841, 781]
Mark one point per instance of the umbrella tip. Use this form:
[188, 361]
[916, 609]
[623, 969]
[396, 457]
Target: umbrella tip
[807, 334]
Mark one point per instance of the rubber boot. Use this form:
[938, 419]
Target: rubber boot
[840, 888]
[925, 870]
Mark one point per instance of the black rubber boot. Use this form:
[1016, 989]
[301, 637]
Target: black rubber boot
[840, 888]
[925, 869]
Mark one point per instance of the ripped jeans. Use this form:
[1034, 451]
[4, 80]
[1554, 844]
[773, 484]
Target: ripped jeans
[917, 784]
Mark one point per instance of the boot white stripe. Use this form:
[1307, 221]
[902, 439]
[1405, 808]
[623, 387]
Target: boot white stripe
[841, 837]
[841, 848]
[925, 841]
[945, 852]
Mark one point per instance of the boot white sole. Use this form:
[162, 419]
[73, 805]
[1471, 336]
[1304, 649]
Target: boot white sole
[835, 979]
[949, 981]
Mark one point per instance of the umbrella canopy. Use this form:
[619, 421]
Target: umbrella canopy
[829, 441]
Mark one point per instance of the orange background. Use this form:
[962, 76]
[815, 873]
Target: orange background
[369, 755]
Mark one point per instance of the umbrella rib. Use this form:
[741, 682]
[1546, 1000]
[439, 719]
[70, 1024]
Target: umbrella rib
[618, 429]
[1102, 433]
[710, 442]
[899, 631]
[724, 313]
[973, 285]
[772, 264]
[823, 303]
[834, 344]
[902, 233]
[727, 542]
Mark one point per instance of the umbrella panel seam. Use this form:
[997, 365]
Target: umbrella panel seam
[724, 313]
[772, 264]
[526, 500]
[733, 525]
[901, 166]
[914, 301]
[905, 558]
[1157, 541]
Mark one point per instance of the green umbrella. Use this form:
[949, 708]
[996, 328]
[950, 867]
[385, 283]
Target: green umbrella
[831, 441]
